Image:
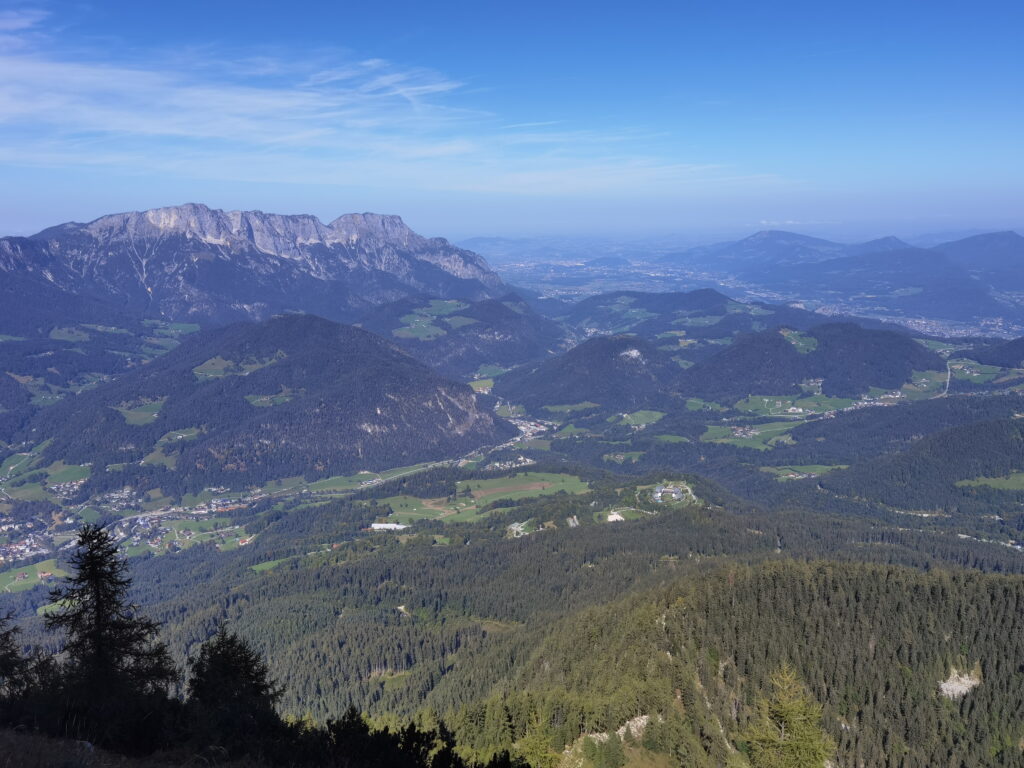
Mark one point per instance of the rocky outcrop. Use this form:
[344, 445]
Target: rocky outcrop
[194, 262]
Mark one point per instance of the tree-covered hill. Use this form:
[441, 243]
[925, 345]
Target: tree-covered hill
[928, 475]
[1006, 354]
[615, 372]
[848, 359]
[912, 669]
[251, 402]
[457, 337]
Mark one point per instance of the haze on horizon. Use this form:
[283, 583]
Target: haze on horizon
[476, 119]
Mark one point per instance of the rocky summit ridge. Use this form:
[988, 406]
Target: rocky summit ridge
[195, 262]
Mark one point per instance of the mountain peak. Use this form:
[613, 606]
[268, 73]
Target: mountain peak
[194, 261]
[355, 226]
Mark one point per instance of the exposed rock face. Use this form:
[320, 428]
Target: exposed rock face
[193, 262]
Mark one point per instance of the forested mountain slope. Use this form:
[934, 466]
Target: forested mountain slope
[458, 337]
[848, 359]
[244, 404]
[616, 372]
[695, 656]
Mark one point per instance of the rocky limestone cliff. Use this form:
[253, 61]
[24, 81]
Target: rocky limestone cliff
[194, 262]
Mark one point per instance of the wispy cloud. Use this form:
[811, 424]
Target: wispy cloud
[18, 20]
[326, 119]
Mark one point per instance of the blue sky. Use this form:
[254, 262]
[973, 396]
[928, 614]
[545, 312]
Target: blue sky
[844, 119]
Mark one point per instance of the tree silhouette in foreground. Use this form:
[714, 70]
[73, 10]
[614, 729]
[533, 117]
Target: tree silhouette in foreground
[12, 665]
[787, 732]
[230, 694]
[116, 673]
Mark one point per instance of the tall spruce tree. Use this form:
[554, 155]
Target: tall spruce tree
[115, 669]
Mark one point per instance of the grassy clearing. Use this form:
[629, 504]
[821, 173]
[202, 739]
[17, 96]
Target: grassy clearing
[26, 577]
[459, 321]
[760, 437]
[696, 404]
[69, 334]
[107, 329]
[699, 321]
[671, 439]
[924, 384]
[640, 418]
[177, 435]
[801, 471]
[536, 444]
[269, 565]
[418, 327]
[942, 347]
[795, 405]
[18, 464]
[804, 344]
[570, 430]
[1011, 482]
[619, 514]
[29, 492]
[157, 457]
[489, 371]
[472, 495]
[508, 410]
[442, 307]
[422, 323]
[143, 414]
[345, 483]
[482, 385]
[269, 401]
[968, 370]
[59, 472]
[586, 405]
[218, 367]
[164, 328]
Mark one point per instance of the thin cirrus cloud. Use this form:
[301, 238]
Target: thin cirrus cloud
[269, 119]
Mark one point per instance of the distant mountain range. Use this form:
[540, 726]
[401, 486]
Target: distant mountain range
[961, 280]
[191, 262]
[971, 285]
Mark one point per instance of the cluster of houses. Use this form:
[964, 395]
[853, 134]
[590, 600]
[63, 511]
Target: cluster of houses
[516, 463]
[66, 490]
[31, 545]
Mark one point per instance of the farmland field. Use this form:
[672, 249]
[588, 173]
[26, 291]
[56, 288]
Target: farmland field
[924, 384]
[472, 495]
[1011, 482]
[761, 437]
[142, 414]
[13, 581]
[781, 405]
[796, 472]
[638, 418]
[584, 406]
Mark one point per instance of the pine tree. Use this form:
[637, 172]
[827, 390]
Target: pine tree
[12, 664]
[116, 670]
[230, 693]
[787, 732]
